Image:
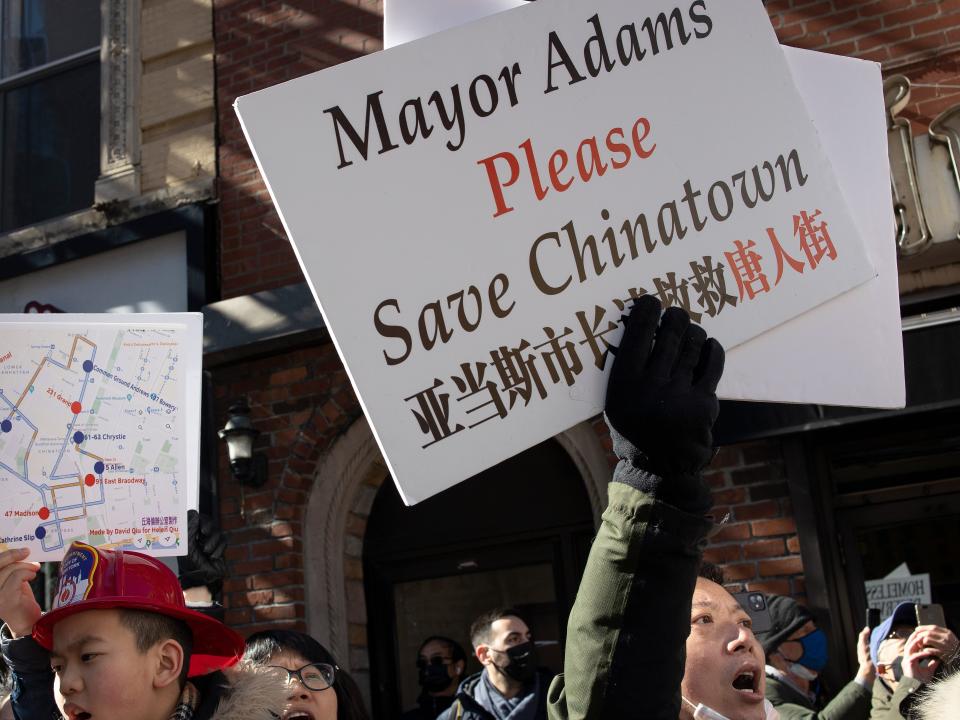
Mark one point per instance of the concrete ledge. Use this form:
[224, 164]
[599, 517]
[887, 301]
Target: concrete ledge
[260, 324]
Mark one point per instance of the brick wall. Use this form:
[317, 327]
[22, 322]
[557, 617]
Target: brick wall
[757, 545]
[301, 402]
[918, 38]
[261, 43]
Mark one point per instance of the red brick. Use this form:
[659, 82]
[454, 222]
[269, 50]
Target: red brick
[771, 587]
[289, 594]
[782, 566]
[252, 566]
[278, 612]
[357, 634]
[755, 475]
[763, 549]
[259, 501]
[283, 529]
[353, 568]
[731, 496]
[238, 616]
[716, 479]
[255, 597]
[793, 544]
[718, 554]
[726, 457]
[268, 549]
[755, 511]
[731, 531]
[739, 571]
[769, 491]
[891, 20]
[782, 526]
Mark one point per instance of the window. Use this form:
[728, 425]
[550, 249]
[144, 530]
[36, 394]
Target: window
[49, 108]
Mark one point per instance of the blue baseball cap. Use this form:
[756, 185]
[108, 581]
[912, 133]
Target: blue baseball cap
[903, 614]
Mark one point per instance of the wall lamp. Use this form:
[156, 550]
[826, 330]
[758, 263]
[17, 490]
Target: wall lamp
[248, 467]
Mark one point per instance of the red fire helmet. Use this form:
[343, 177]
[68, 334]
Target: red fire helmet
[99, 579]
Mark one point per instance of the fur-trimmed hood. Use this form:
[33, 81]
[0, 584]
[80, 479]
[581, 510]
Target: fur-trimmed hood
[243, 692]
[941, 699]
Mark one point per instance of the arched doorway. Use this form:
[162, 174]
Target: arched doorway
[517, 534]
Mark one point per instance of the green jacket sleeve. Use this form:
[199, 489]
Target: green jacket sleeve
[851, 703]
[628, 628]
[897, 705]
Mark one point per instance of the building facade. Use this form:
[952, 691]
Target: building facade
[166, 211]
[807, 494]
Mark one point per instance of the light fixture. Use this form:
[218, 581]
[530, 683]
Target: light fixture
[239, 433]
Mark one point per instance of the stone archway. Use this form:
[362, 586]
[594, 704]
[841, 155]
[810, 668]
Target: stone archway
[348, 478]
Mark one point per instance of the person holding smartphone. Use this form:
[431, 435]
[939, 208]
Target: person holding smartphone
[908, 655]
[796, 653]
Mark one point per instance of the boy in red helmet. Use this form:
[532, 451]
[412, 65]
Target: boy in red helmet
[122, 644]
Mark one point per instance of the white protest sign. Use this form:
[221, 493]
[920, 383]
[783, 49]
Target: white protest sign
[848, 351]
[472, 210]
[897, 587]
[99, 430]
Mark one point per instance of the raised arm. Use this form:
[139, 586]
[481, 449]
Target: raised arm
[628, 627]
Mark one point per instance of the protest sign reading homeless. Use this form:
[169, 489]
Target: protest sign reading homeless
[475, 211]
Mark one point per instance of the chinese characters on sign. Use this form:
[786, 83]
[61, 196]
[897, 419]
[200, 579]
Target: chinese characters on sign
[486, 390]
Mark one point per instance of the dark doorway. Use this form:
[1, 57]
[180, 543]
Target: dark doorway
[517, 534]
[875, 498]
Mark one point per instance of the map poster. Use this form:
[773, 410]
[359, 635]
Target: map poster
[99, 431]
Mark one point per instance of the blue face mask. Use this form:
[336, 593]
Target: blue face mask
[814, 654]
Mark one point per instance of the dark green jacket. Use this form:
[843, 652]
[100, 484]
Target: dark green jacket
[851, 703]
[894, 705]
[633, 603]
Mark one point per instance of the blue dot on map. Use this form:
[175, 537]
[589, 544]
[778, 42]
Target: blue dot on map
[41, 532]
[87, 365]
[98, 468]
[78, 437]
[6, 426]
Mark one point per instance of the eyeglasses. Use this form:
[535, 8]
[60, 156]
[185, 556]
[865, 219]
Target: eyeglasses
[422, 663]
[316, 676]
[899, 634]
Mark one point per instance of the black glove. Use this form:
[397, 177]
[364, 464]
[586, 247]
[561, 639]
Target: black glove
[661, 397]
[203, 564]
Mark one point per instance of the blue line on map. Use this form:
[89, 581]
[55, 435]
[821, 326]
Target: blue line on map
[55, 522]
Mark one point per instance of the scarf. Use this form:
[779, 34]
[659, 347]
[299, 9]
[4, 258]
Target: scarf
[521, 707]
[189, 700]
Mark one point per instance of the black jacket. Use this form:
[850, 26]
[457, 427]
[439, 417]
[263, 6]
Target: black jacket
[428, 707]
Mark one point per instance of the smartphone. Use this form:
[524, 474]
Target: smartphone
[930, 615]
[755, 603]
[873, 617]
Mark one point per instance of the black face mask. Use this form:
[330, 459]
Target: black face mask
[523, 662]
[433, 676]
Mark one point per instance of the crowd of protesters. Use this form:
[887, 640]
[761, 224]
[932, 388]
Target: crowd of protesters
[654, 633]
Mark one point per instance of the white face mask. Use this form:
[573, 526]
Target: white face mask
[703, 712]
[803, 672]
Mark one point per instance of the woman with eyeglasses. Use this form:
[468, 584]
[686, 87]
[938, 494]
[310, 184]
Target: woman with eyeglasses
[319, 690]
